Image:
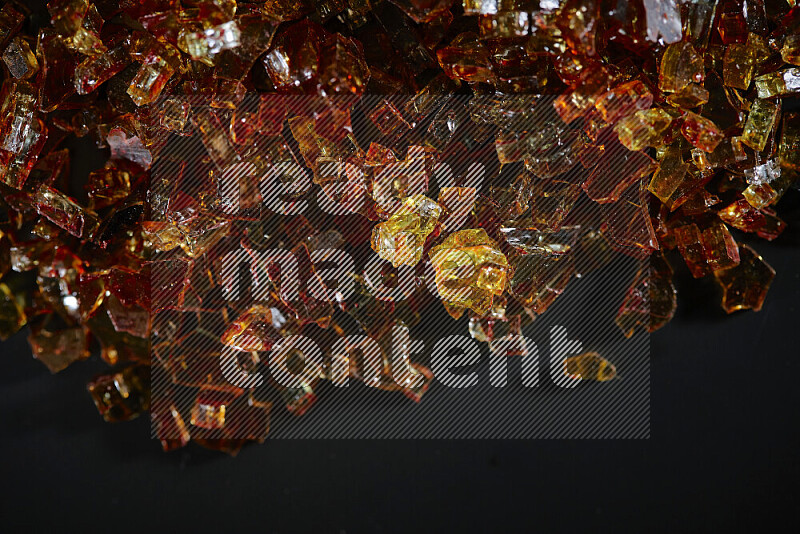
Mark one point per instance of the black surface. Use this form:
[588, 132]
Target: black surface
[722, 456]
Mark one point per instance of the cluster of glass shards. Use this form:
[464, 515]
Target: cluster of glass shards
[675, 122]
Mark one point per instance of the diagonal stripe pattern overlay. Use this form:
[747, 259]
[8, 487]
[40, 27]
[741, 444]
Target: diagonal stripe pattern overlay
[239, 266]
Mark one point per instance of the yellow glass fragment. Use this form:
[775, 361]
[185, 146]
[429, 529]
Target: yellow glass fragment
[470, 270]
[760, 121]
[643, 128]
[590, 366]
[400, 240]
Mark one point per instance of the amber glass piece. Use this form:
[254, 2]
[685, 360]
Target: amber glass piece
[57, 69]
[698, 21]
[389, 120]
[528, 239]
[342, 67]
[205, 45]
[293, 61]
[512, 200]
[593, 252]
[95, 70]
[494, 325]
[456, 203]
[760, 122]
[18, 107]
[698, 202]
[470, 270]
[592, 83]
[20, 60]
[551, 203]
[195, 234]
[743, 216]
[12, 313]
[505, 25]
[85, 41]
[502, 334]
[215, 138]
[741, 60]
[745, 286]
[67, 15]
[313, 146]
[724, 106]
[194, 366]
[643, 128]
[590, 366]
[371, 314]
[551, 151]
[466, 58]
[149, 81]
[16, 165]
[689, 97]
[627, 224]
[126, 144]
[107, 186]
[623, 100]
[732, 27]
[728, 152]
[253, 330]
[651, 300]
[248, 419]
[701, 132]
[540, 278]
[131, 319]
[689, 241]
[721, 250]
[245, 125]
[168, 424]
[307, 308]
[10, 22]
[618, 170]
[256, 33]
[442, 127]
[378, 155]
[427, 99]
[578, 21]
[64, 212]
[58, 348]
[211, 409]
[790, 52]
[26, 256]
[394, 182]
[122, 395]
[789, 150]
[110, 324]
[680, 66]
[708, 250]
[669, 175]
[403, 36]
